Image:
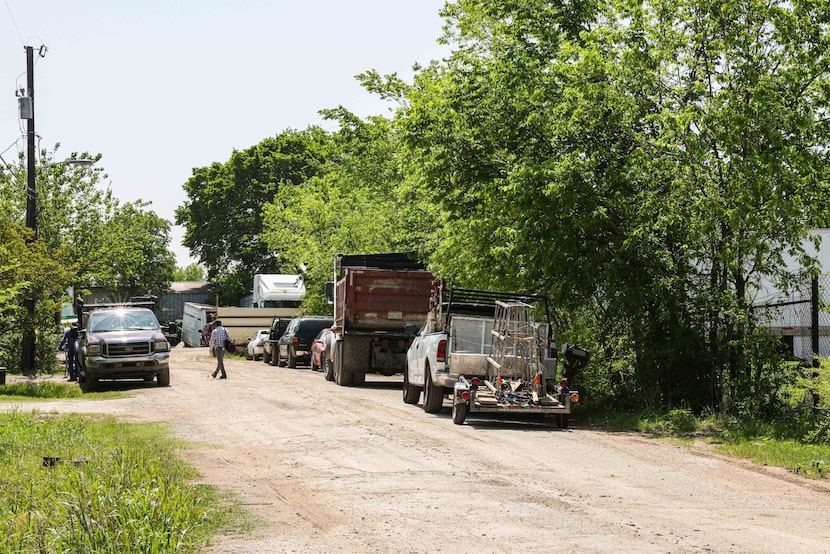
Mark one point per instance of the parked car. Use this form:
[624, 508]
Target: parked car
[295, 344]
[319, 347]
[256, 346]
[278, 326]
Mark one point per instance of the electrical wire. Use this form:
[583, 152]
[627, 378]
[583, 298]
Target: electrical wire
[14, 22]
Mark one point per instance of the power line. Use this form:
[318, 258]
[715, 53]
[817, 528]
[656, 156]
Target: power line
[14, 22]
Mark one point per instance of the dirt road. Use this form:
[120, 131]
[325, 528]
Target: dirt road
[355, 470]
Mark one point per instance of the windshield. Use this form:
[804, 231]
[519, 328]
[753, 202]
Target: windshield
[122, 320]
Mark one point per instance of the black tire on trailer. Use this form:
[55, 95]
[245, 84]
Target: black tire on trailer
[459, 412]
[433, 395]
[292, 360]
[411, 393]
[266, 357]
[328, 370]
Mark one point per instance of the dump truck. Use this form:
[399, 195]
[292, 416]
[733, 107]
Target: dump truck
[487, 352]
[380, 300]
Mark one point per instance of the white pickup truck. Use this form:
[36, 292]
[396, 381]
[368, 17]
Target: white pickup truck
[485, 351]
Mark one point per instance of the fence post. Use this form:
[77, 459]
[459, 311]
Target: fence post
[814, 332]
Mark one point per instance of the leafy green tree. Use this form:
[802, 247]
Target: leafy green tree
[192, 272]
[223, 217]
[358, 205]
[645, 164]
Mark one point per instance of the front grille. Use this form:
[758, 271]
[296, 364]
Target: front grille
[127, 349]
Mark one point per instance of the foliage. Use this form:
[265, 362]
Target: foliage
[223, 217]
[115, 488]
[192, 272]
[356, 206]
[85, 237]
[44, 389]
[566, 149]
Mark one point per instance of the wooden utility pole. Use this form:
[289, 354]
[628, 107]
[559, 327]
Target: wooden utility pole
[28, 347]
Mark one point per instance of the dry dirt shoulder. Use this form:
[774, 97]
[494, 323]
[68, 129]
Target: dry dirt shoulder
[356, 470]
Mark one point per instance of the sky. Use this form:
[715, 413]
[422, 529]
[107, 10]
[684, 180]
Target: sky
[162, 87]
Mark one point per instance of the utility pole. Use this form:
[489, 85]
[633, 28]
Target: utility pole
[28, 347]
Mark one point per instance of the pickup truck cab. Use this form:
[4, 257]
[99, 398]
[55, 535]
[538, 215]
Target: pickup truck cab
[124, 342]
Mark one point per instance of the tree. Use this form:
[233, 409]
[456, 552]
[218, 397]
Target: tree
[644, 164]
[223, 217]
[192, 272]
[358, 205]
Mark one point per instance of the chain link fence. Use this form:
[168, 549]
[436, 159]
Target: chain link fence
[794, 316]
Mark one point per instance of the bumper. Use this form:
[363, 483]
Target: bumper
[126, 367]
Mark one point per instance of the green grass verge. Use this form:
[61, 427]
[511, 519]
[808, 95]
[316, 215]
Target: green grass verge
[82, 484]
[763, 443]
[40, 390]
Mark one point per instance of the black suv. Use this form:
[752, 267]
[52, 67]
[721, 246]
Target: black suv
[295, 343]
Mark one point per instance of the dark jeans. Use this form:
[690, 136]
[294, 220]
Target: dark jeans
[70, 363]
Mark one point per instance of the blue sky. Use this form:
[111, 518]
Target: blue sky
[159, 88]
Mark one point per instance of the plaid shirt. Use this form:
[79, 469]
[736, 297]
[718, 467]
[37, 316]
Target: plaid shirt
[218, 337]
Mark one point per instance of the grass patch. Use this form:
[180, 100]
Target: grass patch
[769, 444]
[49, 390]
[802, 459]
[84, 484]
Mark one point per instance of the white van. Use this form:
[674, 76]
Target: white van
[195, 321]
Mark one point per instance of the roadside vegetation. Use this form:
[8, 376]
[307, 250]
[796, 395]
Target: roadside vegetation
[82, 484]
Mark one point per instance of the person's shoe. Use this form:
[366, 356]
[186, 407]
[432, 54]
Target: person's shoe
[224, 376]
[213, 375]
[73, 378]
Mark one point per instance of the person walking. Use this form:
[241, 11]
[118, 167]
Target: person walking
[68, 343]
[218, 336]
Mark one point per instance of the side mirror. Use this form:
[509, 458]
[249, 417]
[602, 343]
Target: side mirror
[329, 291]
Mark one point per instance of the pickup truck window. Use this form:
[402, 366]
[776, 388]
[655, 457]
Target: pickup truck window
[121, 321]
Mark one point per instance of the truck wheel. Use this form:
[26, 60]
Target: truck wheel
[90, 383]
[292, 360]
[411, 393]
[164, 379]
[433, 395]
[266, 357]
[459, 412]
[358, 379]
[341, 377]
[328, 370]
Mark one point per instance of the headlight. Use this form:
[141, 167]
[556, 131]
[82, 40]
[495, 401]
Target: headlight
[161, 346]
[93, 349]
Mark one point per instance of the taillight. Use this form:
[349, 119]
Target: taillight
[441, 355]
[574, 397]
[474, 381]
[465, 395]
[295, 341]
[563, 383]
[553, 352]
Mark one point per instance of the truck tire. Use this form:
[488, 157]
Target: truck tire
[164, 379]
[341, 377]
[411, 393]
[328, 370]
[433, 395]
[292, 360]
[266, 357]
[358, 379]
[459, 412]
[90, 383]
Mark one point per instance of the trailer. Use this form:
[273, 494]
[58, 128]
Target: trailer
[521, 370]
[380, 300]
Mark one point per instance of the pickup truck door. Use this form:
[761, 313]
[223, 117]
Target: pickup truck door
[416, 359]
